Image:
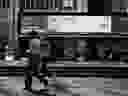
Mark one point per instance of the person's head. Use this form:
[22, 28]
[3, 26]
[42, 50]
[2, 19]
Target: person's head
[82, 43]
[81, 46]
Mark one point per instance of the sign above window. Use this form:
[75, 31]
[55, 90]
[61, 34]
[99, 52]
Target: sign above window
[82, 24]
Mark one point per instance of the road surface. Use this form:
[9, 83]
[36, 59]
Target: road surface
[83, 86]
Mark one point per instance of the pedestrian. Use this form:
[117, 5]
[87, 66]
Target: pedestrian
[28, 75]
[43, 72]
[81, 50]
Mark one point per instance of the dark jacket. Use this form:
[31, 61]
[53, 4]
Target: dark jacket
[44, 67]
[34, 61]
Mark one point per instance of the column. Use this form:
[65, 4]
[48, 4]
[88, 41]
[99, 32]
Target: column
[82, 6]
[79, 5]
[13, 12]
[60, 5]
[124, 3]
[75, 7]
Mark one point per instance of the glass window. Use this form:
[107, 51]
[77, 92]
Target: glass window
[68, 3]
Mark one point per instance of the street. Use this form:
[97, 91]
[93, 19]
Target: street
[83, 86]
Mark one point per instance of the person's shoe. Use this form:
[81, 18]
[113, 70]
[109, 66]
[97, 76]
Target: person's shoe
[45, 89]
[25, 88]
[28, 89]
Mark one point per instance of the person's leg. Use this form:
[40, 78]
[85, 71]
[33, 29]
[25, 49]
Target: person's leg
[30, 70]
[44, 80]
[44, 71]
[28, 80]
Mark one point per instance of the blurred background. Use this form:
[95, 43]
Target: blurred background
[98, 63]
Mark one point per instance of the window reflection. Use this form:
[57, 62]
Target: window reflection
[84, 50]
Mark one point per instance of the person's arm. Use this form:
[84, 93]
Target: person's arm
[108, 53]
[110, 56]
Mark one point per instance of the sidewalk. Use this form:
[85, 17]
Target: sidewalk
[84, 86]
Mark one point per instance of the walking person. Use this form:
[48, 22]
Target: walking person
[43, 73]
[28, 77]
[32, 67]
[81, 50]
[31, 70]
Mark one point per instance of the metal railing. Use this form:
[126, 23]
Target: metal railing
[4, 3]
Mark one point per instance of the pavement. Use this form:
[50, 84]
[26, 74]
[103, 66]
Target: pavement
[83, 86]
